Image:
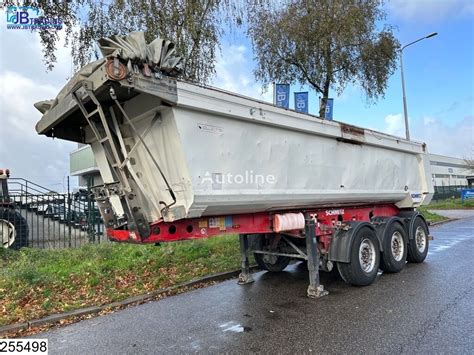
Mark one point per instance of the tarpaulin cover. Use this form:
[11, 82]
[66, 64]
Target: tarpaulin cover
[160, 55]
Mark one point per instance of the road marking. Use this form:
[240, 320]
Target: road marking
[446, 241]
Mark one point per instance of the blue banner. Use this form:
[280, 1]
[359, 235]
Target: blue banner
[282, 95]
[467, 194]
[329, 109]
[301, 102]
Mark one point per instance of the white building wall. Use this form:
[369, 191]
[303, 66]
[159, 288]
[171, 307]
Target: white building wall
[448, 171]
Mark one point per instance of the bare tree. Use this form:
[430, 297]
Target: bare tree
[469, 164]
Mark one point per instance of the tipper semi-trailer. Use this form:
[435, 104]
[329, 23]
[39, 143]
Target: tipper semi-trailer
[184, 161]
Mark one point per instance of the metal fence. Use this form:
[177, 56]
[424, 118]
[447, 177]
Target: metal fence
[45, 219]
[447, 192]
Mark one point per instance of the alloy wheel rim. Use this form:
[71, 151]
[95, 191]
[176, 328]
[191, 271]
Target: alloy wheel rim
[367, 255]
[397, 245]
[420, 239]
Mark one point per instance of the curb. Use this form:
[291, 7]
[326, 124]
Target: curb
[443, 222]
[55, 318]
[13, 327]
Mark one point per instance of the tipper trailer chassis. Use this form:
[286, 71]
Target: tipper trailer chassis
[342, 196]
[357, 240]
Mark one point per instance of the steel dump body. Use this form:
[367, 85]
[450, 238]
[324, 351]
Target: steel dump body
[220, 153]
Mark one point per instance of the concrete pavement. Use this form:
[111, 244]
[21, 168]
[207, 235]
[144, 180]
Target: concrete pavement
[454, 213]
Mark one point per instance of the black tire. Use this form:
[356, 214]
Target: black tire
[418, 245]
[394, 255]
[21, 227]
[353, 273]
[269, 263]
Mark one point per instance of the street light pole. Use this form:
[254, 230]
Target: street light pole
[405, 110]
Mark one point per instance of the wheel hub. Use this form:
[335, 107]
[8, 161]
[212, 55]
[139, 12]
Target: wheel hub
[7, 233]
[367, 255]
[397, 246]
[270, 259]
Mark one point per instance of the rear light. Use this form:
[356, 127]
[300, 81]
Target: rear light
[1, 172]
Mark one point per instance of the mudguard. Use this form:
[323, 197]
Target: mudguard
[381, 224]
[341, 243]
[409, 221]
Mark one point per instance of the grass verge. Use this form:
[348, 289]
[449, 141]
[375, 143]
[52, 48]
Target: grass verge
[431, 216]
[451, 204]
[35, 283]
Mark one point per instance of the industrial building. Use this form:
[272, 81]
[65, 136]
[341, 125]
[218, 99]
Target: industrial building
[82, 164]
[448, 171]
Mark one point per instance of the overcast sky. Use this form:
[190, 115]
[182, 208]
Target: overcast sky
[439, 75]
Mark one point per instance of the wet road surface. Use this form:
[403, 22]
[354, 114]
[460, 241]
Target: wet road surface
[426, 308]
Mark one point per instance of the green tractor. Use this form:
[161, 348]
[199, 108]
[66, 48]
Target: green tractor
[13, 226]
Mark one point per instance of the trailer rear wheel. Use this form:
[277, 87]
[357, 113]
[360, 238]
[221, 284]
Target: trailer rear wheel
[13, 229]
[418, 246]
[394, 253]
[364, 259]
[271, 263]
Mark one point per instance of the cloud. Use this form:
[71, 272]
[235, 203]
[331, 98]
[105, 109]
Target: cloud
[395, 125]
[43, 160]
[24, 81]
[428, 121]
[234, 73]
[454, 141]
[21, 52]
[430, 11]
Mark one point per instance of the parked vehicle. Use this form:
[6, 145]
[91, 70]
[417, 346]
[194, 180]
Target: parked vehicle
[82, 195]
[181, 161]
[13, 227]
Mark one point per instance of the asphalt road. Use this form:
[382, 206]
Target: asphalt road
[426, 308]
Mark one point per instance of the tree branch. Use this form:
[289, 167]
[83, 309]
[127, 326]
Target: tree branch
[345, 46]
[339, 69]
[293, 61]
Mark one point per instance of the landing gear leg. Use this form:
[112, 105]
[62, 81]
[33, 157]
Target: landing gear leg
[315, 289]
[245, 277]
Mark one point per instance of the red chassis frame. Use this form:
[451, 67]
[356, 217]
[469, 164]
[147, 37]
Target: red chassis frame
[251, 223]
